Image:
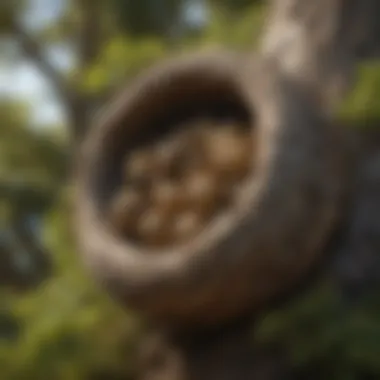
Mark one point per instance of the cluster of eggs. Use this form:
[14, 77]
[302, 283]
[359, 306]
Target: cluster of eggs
[173, 187]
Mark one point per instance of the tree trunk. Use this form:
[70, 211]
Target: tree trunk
[226, 353]
[320, 42]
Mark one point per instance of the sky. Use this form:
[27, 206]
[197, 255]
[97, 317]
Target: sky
[25, 82]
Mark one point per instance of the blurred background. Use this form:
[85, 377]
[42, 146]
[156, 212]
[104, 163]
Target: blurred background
[60, 61]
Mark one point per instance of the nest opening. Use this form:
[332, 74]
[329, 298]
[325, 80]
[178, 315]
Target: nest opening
[155, 114]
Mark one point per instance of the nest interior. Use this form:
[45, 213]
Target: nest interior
[192, 283]
[155, 109]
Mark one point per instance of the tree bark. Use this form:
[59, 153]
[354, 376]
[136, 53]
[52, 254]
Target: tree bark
[226, 353]
[320, 43]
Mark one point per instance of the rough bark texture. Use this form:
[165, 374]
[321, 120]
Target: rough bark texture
[320, 43]
[357, 268]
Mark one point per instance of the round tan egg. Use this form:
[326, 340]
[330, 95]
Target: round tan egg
[191, 155]
[124, 210]
[203, 192]
[229, 153]
[154, 228]
[139, 167]
[170, 155]
[187, 225]
[167, 196]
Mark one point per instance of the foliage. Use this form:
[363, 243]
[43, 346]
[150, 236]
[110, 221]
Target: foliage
[147, 17]
[363, 101]
[126, 57]
[323, 336]
[67, 328]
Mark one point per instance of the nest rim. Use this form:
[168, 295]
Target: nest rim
[185, 282]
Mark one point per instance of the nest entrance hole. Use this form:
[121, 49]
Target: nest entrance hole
[177, 158]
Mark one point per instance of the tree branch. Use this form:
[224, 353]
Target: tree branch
[90, 32]
[31, 244]
[34, 52]
[78, 106]
[89, 44]
[21, 275]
